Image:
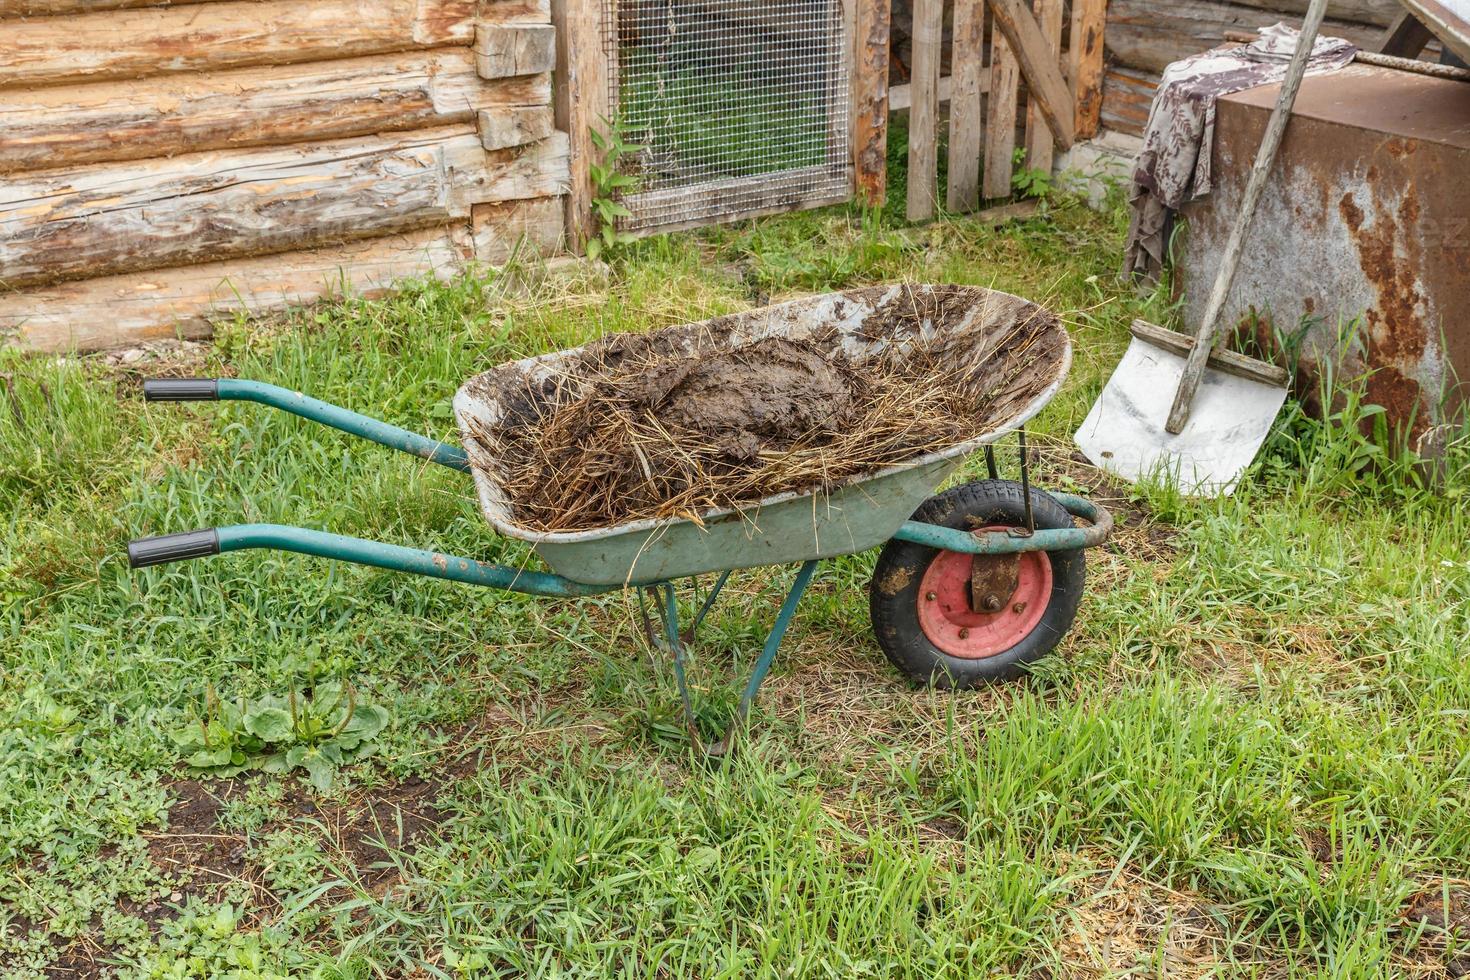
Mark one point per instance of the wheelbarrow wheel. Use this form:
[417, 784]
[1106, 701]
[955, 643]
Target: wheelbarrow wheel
[955, 620]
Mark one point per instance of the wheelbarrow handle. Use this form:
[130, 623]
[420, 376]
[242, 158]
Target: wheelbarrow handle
[302, 406]
[181, 390]
[146, 552]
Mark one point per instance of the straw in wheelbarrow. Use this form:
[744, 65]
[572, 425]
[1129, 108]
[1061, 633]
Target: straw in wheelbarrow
[638, 427]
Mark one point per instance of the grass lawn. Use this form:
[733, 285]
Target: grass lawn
[1250, 757]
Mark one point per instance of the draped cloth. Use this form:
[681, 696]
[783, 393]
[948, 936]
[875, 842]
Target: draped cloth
[1173, 167]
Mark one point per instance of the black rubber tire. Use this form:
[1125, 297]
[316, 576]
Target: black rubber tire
[901, 567]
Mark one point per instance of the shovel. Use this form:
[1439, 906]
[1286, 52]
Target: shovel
[1175, 407]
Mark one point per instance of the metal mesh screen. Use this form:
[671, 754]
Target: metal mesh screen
[739, 106]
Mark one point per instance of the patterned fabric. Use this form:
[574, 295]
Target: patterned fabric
[1174, 165]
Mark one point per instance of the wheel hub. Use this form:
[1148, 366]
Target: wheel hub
[993, 578]
[978, 606]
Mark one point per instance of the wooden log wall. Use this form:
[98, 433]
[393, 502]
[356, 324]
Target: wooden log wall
[164, 163]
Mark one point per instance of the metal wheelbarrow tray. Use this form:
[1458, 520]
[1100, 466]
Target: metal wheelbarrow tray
[971, 585]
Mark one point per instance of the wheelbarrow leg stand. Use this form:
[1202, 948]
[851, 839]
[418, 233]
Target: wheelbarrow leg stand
[669, 613]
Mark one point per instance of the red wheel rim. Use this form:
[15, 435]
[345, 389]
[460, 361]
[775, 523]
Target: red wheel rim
[952, 625]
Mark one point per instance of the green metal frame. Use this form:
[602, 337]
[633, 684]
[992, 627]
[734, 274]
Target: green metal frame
[675, 641]
[435, 564]
[1017, 540]
[194, 544]
[344, 420]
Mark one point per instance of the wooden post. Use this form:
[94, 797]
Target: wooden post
[870, 100]
[924, 113]
[1211, 322]
[1054, 100]
[1038, 133]
[967, 62]
[1405, 37]
[1000, 117]
[1086, 57]
[582, 102]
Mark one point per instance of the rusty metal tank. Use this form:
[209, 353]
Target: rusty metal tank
[1367, 215]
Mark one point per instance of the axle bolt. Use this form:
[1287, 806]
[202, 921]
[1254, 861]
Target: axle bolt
[992, 603]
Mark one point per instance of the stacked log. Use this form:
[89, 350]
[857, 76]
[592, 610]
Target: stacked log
[162, 164]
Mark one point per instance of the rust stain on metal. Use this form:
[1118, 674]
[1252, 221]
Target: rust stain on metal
[993, 580]
[1389, 257]
[440, 562]
[1401, 398]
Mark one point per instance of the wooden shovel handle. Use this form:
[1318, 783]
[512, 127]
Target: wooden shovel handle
[1194, 365]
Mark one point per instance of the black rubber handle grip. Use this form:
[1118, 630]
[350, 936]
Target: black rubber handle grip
[173, 547]
[181, 390]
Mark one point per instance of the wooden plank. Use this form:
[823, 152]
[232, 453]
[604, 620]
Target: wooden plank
[582, 102]
[801, 201]
[51, 8]
[142, 118]
[514, 11]
[1000, 118]
[1128, 94]
[1085, 55]
[1379, 13]
[1004, 214]
[1148, 35]
[1449, 20]
[112, 218]
[117, 310]
[1038, 135]
[514, 126]
[507, 50]
[1039, 65]
[923, 177]
[131, 308]
[900, 96]
[733, 199]
[225, 34]
[967, 65]
[1405, 37]
[870, 100]
[1219, 358]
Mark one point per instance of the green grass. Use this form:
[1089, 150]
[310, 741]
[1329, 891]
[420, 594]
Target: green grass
[1250, 753]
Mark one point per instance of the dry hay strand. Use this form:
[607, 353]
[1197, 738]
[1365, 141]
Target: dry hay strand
[637, 426]
[1124, 925]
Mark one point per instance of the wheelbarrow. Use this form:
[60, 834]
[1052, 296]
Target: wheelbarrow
[971, 585]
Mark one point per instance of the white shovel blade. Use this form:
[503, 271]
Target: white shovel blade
[1124, 433]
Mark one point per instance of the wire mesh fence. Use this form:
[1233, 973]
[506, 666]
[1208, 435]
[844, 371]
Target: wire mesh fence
[736, 106]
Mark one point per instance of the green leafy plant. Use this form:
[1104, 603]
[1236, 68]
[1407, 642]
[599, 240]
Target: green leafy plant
[215, 942]
[1029, 181]
[318, 730]
[608, 185]
[292, 860]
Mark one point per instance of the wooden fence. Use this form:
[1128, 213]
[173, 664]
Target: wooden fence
[996, 46]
